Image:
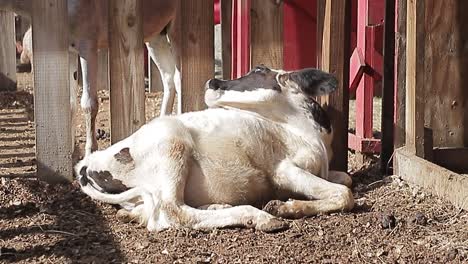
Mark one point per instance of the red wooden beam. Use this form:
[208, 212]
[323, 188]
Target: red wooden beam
[366, 69]
[240, 38]
[300, 36]
[364, 145]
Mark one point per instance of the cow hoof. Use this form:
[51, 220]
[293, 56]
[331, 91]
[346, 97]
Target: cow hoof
[272, 207]
[273, 225]
[124, 216]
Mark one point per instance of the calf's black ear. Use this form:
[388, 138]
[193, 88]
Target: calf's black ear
[314, 82]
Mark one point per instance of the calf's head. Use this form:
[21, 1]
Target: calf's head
[272, 93]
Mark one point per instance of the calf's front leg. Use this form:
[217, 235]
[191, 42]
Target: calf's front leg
[325, 196]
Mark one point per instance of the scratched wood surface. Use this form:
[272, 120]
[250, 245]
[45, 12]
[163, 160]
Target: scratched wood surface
[127, 94]
[7, 51]
[446, 72]
[335, 59]
[266, 34]
[51, 90]
[197, 51]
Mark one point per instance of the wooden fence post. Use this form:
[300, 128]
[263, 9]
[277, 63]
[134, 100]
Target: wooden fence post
[51, 90]
[400, 72]
[415, 81]
[335, 59]
[266, 27]
[197, 50]
[7, 51]
[127, 93]
[388, 86]
[226, 29]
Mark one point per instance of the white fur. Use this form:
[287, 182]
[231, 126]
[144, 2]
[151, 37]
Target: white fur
[239, 153]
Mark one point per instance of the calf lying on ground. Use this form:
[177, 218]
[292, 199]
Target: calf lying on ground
[264, 141]
[88, 24]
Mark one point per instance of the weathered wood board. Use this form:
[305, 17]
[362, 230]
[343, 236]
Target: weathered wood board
[127, 93]
[437, 180]
[335, 59]
[197, 51]
[51, 91]
[7, 51]
[266, 34]
[446, 71]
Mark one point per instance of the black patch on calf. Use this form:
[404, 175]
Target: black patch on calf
[107, 183]
[124, 156]
[258, 78]
[84, 178]
[314, 82]
[318, 114]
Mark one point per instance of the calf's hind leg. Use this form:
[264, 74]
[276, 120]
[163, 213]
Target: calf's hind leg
[340, 178]
[325, 196]
[173, 157]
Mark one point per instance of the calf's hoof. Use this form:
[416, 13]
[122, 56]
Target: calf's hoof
[272, 225]
[273, 207]
[124, 216]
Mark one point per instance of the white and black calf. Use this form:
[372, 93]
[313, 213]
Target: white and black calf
[264, 142]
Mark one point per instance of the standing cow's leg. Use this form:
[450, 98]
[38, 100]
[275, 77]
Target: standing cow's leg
[173, 34]
[89, 101]
[73, 92]
[160, 52]
[325, 196]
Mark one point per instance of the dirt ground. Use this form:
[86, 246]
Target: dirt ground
[40, 223]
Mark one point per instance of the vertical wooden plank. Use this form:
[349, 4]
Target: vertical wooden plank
[7, 51]
[154, 77]
[320, 21]
[226, 25]
[266, 33]
[335, 59]
[197, 49]
[127, 94]
[415, 76]
[446, 65]
[400, 74]
[103, 69]
[388, 85]
[51, 90]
